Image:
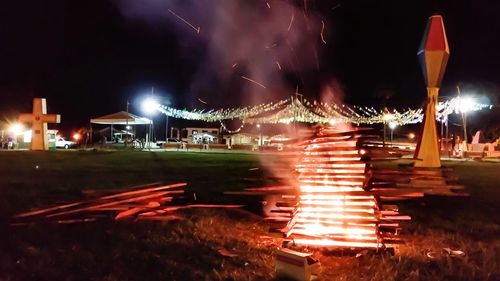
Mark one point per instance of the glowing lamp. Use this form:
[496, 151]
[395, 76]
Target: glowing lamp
[411, 136]
[16, 129]
[393, 125]
[258, 125]
[466, 104]
[149, 106]
[362, 151]
[77, 136]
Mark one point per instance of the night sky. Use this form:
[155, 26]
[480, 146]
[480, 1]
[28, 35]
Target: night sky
[89, 57]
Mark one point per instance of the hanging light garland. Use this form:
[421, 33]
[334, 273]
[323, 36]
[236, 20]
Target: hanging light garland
[292, 109]
[233, 131]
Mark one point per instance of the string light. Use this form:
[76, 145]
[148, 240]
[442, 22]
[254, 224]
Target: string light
[292, 109]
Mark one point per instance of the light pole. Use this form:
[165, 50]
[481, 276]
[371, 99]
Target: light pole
[392, 126]
[387, 117]
[149, 106]
[465, 104]
[166, 129]
[260, 135]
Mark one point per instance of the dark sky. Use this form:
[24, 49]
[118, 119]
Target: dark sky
[89, 57]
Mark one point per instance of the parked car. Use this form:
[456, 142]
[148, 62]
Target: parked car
[169, 140]
[172, 140]
[64, 143]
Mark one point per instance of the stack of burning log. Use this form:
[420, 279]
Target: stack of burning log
[334, 206]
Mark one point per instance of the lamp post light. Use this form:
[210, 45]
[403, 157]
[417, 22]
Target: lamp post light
[260, 136]
[465, 104]
[149, 107]
[392, 126]
[387, 117]
[16, 129]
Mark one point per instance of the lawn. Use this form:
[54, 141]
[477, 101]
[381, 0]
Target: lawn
[190, 249]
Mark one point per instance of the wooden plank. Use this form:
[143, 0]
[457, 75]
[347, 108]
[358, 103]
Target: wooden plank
[66, 206]
[133, 211]
[112, 203]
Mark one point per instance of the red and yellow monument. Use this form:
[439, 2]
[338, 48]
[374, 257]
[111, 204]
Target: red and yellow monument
[39, 119]
[433, 55]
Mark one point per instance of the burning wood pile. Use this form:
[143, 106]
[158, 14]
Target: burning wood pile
[334, 207]
[146, 203]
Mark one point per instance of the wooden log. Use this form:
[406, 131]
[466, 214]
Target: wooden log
[112, 203]
[133, 211]
[66, 206]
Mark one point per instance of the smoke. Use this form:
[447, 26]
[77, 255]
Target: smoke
[255, 51]
[332, 92]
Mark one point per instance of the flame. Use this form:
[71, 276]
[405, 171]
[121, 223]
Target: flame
[334, 209]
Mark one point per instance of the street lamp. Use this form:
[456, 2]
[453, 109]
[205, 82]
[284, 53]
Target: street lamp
[387, 117]
[260, 135]
[465, 104]
[16, 129]
[149, 106]
[392, 126]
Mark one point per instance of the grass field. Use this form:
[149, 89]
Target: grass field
[188, 249]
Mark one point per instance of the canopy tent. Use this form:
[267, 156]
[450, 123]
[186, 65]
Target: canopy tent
[121, 118]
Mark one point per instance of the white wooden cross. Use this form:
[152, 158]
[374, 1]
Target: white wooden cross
[39, 119]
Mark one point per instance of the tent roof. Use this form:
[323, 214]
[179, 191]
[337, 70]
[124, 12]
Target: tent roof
[121, 118]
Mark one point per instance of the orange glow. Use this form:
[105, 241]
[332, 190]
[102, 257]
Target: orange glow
[77, 136]
[334, 243]
[411, 136]
[334, 209]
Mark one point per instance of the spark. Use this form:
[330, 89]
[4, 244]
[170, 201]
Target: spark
[336, 6]
[253, 81]
[278, 64]
[322, 29]
[234, 65]
[197, 29]
[202, 101]
[272, 46]
[269, 6]
[291, 21]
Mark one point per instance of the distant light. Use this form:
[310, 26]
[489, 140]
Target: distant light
[411, 136]
[332, 122]
[149, 106]
[16, 129]
[362, 151]
[258, 125]
[27, 136]
[388, 117]
[77, 136]
[466, 104]
[128, 127]
[393, 125]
